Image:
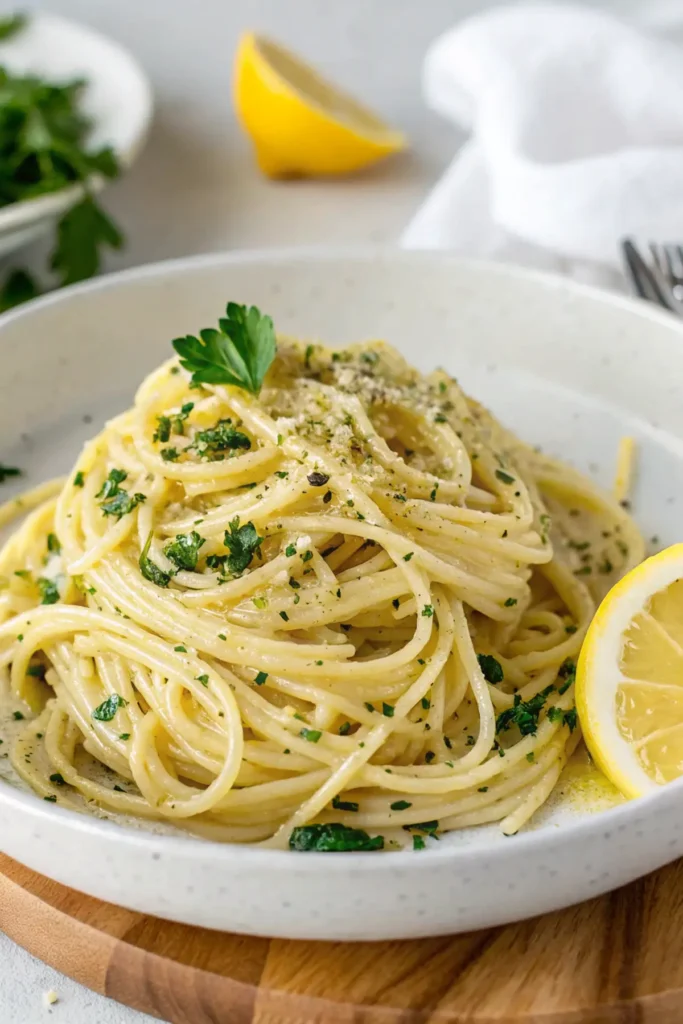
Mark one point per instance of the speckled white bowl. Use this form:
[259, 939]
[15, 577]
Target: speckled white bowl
[567, 367]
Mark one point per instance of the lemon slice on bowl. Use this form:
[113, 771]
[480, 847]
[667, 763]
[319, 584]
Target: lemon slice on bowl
[629, 681]
[299, 123]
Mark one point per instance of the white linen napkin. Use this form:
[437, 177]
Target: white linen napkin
[576, 121]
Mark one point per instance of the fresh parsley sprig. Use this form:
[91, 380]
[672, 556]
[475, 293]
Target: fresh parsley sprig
[44, 147]
[240, 352]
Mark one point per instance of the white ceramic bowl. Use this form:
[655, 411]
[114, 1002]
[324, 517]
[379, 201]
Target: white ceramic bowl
[567, 367]
[118, 99]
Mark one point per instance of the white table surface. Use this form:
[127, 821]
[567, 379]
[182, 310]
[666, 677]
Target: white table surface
[195, 189]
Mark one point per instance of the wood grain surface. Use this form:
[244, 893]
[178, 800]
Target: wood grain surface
[614, 960]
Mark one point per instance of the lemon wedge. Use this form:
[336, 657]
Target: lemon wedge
[299, 123]
[629, 680]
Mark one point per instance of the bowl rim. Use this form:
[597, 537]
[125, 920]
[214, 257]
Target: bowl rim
[189, 847]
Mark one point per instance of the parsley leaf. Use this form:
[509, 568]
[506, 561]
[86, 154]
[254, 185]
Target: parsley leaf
[81, 232]
[48, 591]
[239, 353]
[344, 805]
[184, 550]
[491, 668]
[244, 542]
[108, 708]
[332, 838]
[524, 713]
[11, 24]
[149, 569]
[222, 437]
[18, 287]
[505, 477]
[110, 487]
[121, 504]
[117, 502]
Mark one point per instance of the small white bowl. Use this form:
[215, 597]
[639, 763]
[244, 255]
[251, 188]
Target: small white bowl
[565, 366]
[118, 99]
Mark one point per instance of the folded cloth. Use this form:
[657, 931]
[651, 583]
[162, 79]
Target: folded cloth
[576, 122]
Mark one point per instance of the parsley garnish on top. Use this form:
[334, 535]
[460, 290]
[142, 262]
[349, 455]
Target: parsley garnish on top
[491, 668]
[49, 594]
[174, 423]
[184, 550]
[150, 570]
[108, 708]
[238, 353]
[222, 437]
[244, 542]
[524, 713]
[332, 838]
[116, 501]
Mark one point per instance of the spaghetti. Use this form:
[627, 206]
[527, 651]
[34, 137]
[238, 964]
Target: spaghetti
[349, 604]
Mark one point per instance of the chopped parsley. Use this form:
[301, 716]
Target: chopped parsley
[428, 611]
[400, 805]
[221, 438]
[49, 594]
[491, 668]
[79, 479]
[18, 716]
[567, 671]
[52, 799]
[244, 542]
[184, 550]
[238, 353]
[203, 679]
[429, 827]
[149, 569]
[344, 728]
[105, 711]
[116, 501]
[58, 779]
[110, 487]
[332, 838]
[290, 550]
[344, 805]
[284, 616]
[418, 843]
[406, 558]
[388, 710]
[170, 454]
[260, 678]
[505, 477]
[511, 602]
[524, 713]
[53, 544]
[180, 649]
[307, 556]
[312, 735]
[281, 473]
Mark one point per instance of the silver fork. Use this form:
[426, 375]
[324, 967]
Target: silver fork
[659, 279]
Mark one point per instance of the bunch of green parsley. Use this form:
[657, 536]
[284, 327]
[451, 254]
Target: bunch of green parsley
[44, 148]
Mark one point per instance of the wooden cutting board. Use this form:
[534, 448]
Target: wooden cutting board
[614, 960]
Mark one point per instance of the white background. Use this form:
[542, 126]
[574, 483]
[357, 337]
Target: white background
[195, 189]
